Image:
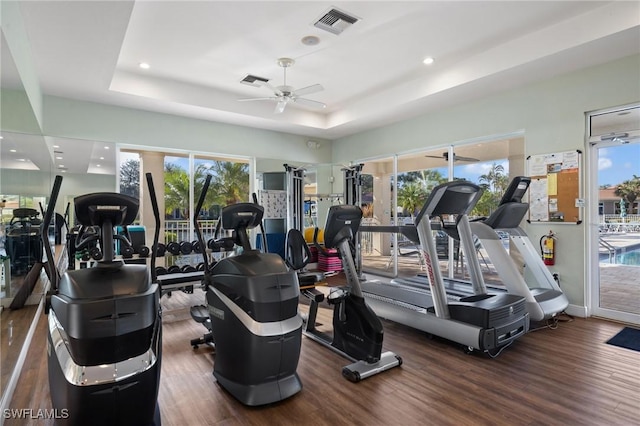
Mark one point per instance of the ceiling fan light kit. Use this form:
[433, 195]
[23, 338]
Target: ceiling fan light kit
[284, 94]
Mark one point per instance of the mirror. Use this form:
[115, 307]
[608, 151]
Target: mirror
[28, 164]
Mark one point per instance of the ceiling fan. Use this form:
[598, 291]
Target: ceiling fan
[445, 155]
[285, 94]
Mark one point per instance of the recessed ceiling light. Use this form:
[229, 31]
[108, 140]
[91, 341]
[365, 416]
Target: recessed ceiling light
[106, 147]
[13, 150]
[144, 65]
[58, 158]
[102, 158]
[21, 159]
[56, 146]
[97, 165]
[1, 137]
[428, 60]
[60, 166]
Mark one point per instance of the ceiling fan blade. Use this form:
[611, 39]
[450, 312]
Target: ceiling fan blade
[308, 90]
[280, 107]
[271, 98]
[309, 103]
[445, 156]
[468, 159]
[270, 87]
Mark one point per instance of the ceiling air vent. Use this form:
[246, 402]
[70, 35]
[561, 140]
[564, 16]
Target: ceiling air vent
[253, 80]
[335, 21]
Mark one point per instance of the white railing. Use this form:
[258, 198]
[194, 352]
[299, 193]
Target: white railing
[181, 230]
[615, 223]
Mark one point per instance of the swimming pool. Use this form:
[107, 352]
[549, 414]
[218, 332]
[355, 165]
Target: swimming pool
[629, 257]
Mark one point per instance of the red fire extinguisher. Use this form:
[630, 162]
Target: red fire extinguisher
[548, 248]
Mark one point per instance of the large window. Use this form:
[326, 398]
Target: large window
[183, 176]
[402, 184]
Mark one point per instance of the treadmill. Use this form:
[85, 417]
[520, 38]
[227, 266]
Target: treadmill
[544, 298]
[482, 321]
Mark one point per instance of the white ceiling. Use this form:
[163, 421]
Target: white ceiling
[372, 73]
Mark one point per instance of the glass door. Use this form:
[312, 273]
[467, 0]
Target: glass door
[615, 253]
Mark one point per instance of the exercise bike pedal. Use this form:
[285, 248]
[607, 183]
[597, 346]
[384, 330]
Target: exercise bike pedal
[200, 314]
[337, 295]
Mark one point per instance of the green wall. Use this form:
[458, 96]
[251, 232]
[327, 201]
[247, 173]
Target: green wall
[552, 115]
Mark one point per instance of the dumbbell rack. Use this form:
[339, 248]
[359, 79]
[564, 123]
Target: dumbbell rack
[186, 277]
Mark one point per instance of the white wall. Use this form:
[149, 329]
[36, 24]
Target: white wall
[37, 183]
[92, 121]
[552, 115]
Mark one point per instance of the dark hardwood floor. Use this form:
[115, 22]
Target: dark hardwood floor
[566, 376]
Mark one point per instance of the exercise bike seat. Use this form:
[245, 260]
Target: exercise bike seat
[297, 258]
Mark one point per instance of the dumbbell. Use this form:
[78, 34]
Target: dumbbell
[186, 247]
[173, 247]
[200, 266]
[174, 269]
[161, 250]
[144, 251]
[227, 243]
[127, 252]
[214, 245]
[187, 268]
[196, 246]
[160, 270]
[85, 256]
[95, 253]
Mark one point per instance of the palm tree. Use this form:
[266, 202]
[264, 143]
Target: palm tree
[411, 196]
[176, 190]
[230, 182]
[494, 183]
[629, 190]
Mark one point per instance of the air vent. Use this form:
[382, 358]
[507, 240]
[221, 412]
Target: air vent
[253, 80]
[335, 21]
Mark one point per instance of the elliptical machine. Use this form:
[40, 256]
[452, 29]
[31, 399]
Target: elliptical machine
[357, 331]
[252, 304]
[105, 325]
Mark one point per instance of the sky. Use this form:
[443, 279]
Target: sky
[618, 163]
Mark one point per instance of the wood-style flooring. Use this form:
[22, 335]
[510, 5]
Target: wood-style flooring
[563, 376]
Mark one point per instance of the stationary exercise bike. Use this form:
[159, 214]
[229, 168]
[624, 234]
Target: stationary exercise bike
[252, 307]
[105, 341]
[357, 331]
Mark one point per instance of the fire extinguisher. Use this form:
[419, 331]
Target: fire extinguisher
[548, 248]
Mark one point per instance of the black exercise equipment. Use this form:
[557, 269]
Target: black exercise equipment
[127, 252]
[252, 314]
[105, 326]
[186, 247]
[23, 242]
[144, 251]
[174, 269]
[161, 270]
[95, 253]
[161, 249]
[173, 247]
[357, 331]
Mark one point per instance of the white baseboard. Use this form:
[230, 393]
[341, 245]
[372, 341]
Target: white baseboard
[577, 311]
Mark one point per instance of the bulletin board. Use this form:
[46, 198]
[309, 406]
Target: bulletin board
[556, 187]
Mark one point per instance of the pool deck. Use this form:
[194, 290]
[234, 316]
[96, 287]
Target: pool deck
[620, 284]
